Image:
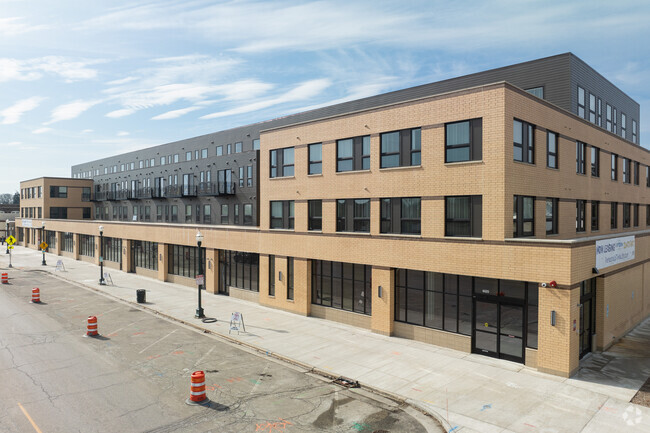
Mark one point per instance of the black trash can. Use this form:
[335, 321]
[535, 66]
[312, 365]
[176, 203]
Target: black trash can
[141, 295]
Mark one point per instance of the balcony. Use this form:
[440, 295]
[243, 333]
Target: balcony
[174, 191]
[144, 193]
[189, 190]
[207, 189]
[100, 196]
[226, 188]
[123, 194]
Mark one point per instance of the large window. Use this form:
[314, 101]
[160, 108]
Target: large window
[595, 208]
[225, 218]
[595, 161]
[58, 213]
[634, 136]
[282, 216]
[112, 249]
[463, 216]
[353, 154]
[523, 216]
[614, 166]
[464, 141]
[636, 215]
[400, 215]
[523, 141]
[581, 149]
[67, 242]
[592, 108]
[581, 102]
[145, 255]
[551, 215]
[59, 191]
[580, 215]
[315, 215]
[282, 162]
[637, 168]
[87, 245]
[551, 149]
[346, 286]
[623, 125]
[316, 158]
[434, 300]
[400, 148]
[614, 215]
[248, 214]
[183, 261]
[240, 270]
[353, 215]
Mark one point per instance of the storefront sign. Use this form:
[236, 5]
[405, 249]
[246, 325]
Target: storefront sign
[614, 251]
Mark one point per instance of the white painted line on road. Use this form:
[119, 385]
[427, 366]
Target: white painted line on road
[109, 311]
[201, 358]
[257, 382]
[155, 342]
[38, 430]
[123, 327]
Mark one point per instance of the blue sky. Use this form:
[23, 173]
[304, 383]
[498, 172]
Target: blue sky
[81, 80]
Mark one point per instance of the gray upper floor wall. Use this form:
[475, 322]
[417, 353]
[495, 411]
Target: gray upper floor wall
[563, 80]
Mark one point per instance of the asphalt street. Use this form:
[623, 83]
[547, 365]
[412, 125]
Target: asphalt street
[135, 377]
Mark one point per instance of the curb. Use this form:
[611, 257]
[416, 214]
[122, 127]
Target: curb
[420, 407]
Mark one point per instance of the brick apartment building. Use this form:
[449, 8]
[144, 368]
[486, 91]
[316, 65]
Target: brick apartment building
[505, 213]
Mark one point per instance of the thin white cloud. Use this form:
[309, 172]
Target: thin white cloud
[14, 113]
[123, 133]
[42, 130]
[71, 110]
[175, 113]
[14, 26]
[303, 91]
[70, 70]
[121, 81]
[87, 131]
[14, 143]
[120, 113]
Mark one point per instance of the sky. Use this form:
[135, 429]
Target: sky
[83, 80]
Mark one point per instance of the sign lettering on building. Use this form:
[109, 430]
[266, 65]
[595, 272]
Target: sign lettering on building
[610, 252]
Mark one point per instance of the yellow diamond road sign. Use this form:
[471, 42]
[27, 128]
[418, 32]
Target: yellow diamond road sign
[43, 245]
[11, 240]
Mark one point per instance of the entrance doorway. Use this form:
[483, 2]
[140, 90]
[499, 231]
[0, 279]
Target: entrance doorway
[587, 315]
[499, 329]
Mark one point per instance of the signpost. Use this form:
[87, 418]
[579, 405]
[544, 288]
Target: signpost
[43, 246]
[10, 241]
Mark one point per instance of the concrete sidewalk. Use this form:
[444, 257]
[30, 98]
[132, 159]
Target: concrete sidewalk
[474, 393]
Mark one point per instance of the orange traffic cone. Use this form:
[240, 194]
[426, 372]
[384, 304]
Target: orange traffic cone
[197, 391]
[36, 295]
[92, 327]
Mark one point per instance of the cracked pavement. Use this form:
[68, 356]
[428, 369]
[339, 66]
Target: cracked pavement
[136, 376]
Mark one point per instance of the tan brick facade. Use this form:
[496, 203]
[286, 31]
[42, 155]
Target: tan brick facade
[568, 257]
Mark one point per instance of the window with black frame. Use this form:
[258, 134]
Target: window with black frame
[627, 167]
[551, 215]
[551, 149]
[87, 245]
[636, 215]
[353, 215]
[463, 141]
[353, 154]
[290, 274]
[315, 158]
[271, 275]
[67, 242]
[595, 213]
[463, 216]
[523, 216]
[434, 300]
[523, 141]
[112, 249]
[581, 150]
[401, 215]
[240, 269]
[344, 286]
[282, 162]
[183, 261]
[614, 215]
[401, 148]
[315, 215]
[595, 161]
[581, 102]
[580, 215]
[282, 214]
[626, 215]
[145, 255]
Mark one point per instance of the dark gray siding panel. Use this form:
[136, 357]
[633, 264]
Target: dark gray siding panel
[586, 77]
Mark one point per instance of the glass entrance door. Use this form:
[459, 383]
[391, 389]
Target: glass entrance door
[499, 329]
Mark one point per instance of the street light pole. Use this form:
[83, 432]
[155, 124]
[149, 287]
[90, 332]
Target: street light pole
[101, 258]
[43, 240]
[199, 310]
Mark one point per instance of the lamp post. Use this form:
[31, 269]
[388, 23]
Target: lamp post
[101, 258]
[199, 310]
[43, 240]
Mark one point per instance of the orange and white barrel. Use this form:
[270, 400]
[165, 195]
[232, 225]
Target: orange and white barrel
[92, 327]
[5, 278]
[197, 391]
[36, 295]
